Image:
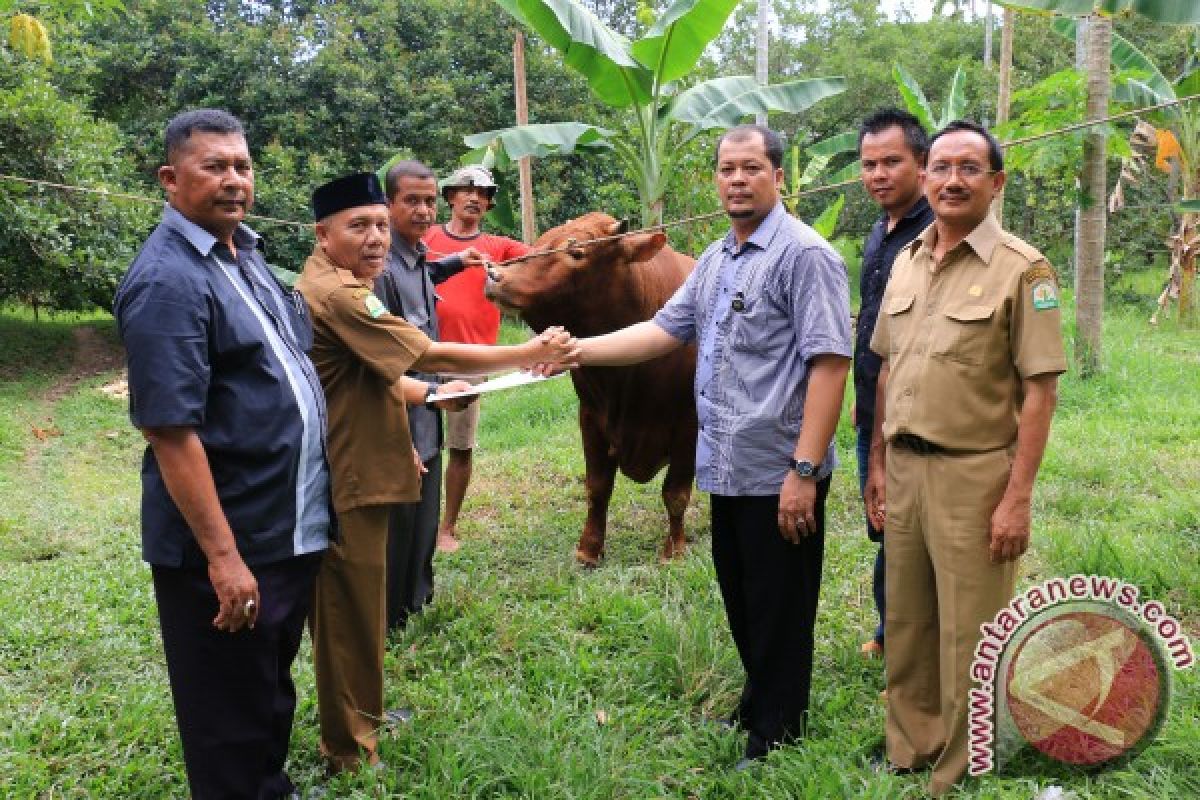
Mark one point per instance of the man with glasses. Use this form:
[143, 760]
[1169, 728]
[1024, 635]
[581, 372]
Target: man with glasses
[969, 333]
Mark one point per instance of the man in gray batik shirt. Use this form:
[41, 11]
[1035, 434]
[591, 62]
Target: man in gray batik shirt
[768, 305]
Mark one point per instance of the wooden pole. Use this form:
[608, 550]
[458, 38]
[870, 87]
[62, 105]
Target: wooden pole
[761, 68]
[1089, 264]
[524, 167]
[987, 37]
[1004, 95]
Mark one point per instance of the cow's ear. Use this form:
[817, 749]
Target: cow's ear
[644, 246]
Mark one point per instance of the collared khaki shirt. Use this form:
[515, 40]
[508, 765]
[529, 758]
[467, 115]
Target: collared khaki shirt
[361, 352]
[960, 337]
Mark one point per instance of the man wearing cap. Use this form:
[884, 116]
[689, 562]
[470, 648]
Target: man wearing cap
[970, 336]
[235, 487]
[465, 315]
[362, 353]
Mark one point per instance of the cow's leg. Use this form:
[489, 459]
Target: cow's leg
[676, 492]
[600, 470]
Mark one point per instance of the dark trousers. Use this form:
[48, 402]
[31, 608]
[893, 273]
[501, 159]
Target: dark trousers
[770, 588]
[412, 540]
[233, 692]
[862, 450]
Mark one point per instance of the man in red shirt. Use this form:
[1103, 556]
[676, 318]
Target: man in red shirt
[465, 315]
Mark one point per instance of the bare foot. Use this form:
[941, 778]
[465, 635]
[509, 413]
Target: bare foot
[446, 543]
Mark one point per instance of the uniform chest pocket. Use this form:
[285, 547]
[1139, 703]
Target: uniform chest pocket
[964, 333]
[898, 310]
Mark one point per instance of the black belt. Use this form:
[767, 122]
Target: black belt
[914, 443]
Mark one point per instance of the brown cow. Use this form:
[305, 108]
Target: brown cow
[638, 418]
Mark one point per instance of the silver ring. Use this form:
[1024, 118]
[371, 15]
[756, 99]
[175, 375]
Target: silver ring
[248, 609]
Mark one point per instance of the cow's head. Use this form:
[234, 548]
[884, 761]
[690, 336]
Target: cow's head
[581, 271]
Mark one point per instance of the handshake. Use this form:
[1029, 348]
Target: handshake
[552, 351]
[548, 353]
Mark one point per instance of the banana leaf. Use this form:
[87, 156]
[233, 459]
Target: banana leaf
[914, 97]
[722, 102]
[1168, 12]
[509, 144]
[593, 49]
[672, 47]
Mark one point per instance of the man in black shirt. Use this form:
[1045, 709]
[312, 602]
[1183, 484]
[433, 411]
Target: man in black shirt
[236, 506]
[892, 146]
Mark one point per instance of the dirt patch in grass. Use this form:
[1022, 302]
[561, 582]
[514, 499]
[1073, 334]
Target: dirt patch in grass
[94, 353]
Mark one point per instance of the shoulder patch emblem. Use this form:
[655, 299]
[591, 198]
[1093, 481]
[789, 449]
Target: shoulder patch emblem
[375, 308]
[1044, 294]
[1040, 272]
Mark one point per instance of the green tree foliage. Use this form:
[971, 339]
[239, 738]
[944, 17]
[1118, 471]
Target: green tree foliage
[329, 87]
[58, 250]
[27, 33]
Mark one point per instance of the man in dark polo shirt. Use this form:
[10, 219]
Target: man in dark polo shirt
[406, 289]
[236, 503]
[892, 147]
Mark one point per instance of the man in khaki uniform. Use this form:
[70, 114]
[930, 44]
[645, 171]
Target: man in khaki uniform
[969, 331]
[361, 353]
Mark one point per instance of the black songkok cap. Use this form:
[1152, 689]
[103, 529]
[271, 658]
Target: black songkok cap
[350, 191]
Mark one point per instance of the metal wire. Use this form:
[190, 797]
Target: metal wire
[134, 197]
[613, 237]
[830, 187]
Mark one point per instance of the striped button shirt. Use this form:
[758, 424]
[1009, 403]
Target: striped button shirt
[761, 312]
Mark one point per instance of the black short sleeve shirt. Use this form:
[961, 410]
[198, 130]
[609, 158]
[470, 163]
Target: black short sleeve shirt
[213, 342]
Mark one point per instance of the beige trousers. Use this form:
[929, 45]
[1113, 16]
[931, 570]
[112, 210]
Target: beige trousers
[941, 586]
[348, 630]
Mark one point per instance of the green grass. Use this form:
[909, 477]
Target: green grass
[531, 677]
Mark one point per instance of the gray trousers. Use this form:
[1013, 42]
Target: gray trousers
[412, 540]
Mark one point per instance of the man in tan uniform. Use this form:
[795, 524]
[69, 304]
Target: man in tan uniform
[361, 353]
[969, 331]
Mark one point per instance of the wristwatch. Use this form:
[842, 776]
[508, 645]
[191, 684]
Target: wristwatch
[430, 393]
[805, 469]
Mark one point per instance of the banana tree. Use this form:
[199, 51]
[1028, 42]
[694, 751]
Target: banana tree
[643, 79]
[918, 105]
[915, 102]
[1174, 133]
[1089, 267]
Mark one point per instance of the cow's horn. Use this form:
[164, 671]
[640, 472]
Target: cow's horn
[619, 227]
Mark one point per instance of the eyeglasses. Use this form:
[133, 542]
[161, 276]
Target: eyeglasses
[969, 171]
